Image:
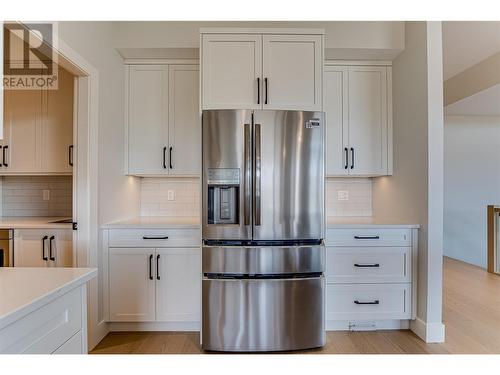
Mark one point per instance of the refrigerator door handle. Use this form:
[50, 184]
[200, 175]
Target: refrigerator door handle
[257, 176]
[248, 174]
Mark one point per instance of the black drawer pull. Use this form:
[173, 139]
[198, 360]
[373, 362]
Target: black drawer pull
[376, 302]
[367, 265]
[44, 257]
[150, 267]
[51, 247]
[367, 237]
[158, 267]
[155, 237]
[4, 156]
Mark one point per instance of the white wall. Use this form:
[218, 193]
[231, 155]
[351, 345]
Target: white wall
[472, 181]
[354, 39]
[414, 193]
[118, 194]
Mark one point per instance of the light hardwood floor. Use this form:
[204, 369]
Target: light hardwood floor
[471, 308]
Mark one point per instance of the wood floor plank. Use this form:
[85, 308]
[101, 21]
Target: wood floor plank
[471, 313]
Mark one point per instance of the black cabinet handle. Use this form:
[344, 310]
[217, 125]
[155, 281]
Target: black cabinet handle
[155, 237]
[51, 256]
[4, 157]
[376, 302]
[352, 157]
[258, 90]
[150, 267]
[265, 83]
[170, 158]
[70, 155]
[43, 248]
[346, 158]
[367, 237]
[1, 163]
[164, 158]
[158, 267]
[365, 265]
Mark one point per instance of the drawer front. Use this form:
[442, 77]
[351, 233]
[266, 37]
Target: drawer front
[368, 301]
[368, 264]
[154, 238]
[73, 346]
[46, 329]
[368, 237]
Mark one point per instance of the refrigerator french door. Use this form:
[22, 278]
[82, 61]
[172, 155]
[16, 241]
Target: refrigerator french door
[263, 175]
[263, 226]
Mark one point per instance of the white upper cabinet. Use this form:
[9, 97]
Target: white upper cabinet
[184, 132]
[57, 127]
[162, 120]
[337, 137]
[358, 116]
[232, 66]
[38, 130]
[292, 67]
[20, 152]
[147, 119]
[263, 69]
[368, 120]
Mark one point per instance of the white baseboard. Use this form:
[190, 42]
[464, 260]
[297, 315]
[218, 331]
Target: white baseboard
[429, 332]
[97, 334]
[155, 326]
[365, 325]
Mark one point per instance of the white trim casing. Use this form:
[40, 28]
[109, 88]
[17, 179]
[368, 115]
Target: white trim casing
[429, 332]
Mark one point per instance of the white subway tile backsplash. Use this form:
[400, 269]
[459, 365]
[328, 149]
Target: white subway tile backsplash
[23, 195]
[154, 197]
[360, 196]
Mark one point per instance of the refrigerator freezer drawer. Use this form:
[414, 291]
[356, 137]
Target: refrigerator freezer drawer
[263, 260]
[248, 315]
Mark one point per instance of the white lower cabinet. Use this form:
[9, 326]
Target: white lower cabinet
[159, 285]
[371, 277]
[43, 248]
[178, 284]
[131, 285]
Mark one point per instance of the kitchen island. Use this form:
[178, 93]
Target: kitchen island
[44, 310]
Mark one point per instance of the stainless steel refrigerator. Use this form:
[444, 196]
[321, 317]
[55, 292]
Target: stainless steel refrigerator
[263, 227]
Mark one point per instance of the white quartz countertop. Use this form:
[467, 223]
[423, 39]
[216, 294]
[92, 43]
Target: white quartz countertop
[32, 222]
[23, 290]
[362, 222]
[155, 222]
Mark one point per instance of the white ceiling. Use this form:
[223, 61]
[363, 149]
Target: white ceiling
[465, 43]
[484, 103]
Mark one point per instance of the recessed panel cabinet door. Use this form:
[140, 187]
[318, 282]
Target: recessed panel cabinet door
[147, 119]
[231, 65]
[57, 129]
[184, 120]
[368, 120]
[131, 285]
[292, 66]
[178, 284]
[336, 107]
[31, 248]
[21, 151]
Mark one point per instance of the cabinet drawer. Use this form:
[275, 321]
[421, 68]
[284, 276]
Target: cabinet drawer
[368, 301]
[368, 237]
[368, 264]
[46, 329]
[154, 238]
